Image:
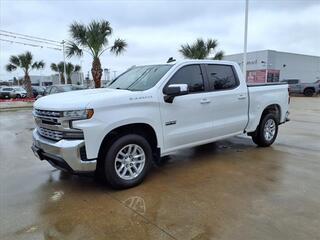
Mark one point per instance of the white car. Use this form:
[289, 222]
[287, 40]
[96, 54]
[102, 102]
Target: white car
[151, 111]
[20, 92]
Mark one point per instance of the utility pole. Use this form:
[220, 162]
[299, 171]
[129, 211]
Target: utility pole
[81, 72]
[64, 63]
[244, 67]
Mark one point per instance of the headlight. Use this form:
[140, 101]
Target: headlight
[79, 114]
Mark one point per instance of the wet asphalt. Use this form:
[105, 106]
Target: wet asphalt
[230, 189]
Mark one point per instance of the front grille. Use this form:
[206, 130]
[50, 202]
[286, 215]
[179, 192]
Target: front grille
[46, 113]
[51, 134]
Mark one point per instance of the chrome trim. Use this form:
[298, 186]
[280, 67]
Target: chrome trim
[52, 124]
[48, 133]
[68, 150]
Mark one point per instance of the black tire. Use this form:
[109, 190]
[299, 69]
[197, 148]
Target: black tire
[258, 137]
[108, 172]
[308, 92]
[18, 96]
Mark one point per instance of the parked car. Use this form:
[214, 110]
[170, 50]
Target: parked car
[38, 90]
[61, 88]
[20, 92]
[308, 89]
[7, 92]
[149, 112]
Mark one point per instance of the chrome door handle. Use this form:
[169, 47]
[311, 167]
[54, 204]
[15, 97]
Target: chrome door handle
[241, 97]
[205, 101]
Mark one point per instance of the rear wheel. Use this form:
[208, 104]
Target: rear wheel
[308, 92]
[267, 131]
[127, 161]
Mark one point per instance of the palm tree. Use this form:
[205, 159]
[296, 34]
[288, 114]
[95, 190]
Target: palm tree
[93, 39]
[201, 49]
[25, 62]
[70, 68]
[59, 68]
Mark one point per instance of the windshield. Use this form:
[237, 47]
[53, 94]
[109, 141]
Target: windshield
[140, 78]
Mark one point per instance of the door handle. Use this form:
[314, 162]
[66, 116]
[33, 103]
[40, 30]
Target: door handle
[205, 101]
[241, 97]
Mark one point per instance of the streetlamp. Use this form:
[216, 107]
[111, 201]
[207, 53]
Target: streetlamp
[244, 67]
[64, 62]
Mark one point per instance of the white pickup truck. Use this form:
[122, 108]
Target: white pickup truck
[151, 111]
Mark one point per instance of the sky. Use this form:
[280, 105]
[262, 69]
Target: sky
[155, 30]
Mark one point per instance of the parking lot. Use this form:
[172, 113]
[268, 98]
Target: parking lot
[227, 190]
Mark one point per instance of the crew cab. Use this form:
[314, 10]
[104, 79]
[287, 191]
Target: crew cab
[151, 111]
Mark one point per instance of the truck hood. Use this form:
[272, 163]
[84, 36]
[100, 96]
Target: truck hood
[76, 100]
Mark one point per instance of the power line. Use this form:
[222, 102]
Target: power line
[29, 44]
[29, 36]
[28, 39]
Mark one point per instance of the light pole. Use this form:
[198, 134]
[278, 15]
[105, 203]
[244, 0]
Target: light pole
[81, 72]
[244, 67]
[64, 62]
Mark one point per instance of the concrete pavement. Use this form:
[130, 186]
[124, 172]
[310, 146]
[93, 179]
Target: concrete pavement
[227, 190]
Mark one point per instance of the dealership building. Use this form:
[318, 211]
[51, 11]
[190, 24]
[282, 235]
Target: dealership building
[274, 66]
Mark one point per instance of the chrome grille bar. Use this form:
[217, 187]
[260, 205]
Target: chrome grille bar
[51, 134]
[47, 113]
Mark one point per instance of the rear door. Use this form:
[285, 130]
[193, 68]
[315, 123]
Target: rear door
[229, 100]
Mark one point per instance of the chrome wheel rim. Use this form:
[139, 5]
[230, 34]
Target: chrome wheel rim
[269, 129]
[130, 161]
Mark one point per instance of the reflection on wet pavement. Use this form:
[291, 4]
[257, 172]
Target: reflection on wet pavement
[225, 190]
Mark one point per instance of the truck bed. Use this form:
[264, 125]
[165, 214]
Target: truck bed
[261, 95]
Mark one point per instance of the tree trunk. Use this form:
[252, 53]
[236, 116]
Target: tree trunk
[96, 72]
[27, 85]
[62, 78]
[69, 80]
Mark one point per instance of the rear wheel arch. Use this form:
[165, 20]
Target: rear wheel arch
[275, 109]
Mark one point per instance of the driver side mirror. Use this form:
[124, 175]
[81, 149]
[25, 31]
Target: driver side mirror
[174, 90]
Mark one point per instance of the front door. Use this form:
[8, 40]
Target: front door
[188, 119]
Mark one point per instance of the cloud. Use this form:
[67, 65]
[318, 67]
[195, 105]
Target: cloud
[155, 30]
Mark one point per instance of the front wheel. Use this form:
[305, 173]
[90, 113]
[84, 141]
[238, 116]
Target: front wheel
[127, 161]
[267, 131]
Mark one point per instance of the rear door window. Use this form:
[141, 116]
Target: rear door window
[221, 77]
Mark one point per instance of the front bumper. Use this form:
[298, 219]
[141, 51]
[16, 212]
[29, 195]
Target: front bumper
[63, 154]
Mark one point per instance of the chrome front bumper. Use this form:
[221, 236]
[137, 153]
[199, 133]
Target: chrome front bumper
[63, 154]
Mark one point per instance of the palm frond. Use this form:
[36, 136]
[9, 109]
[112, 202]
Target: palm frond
[14, 60]
[61, 67]
[10, 67]
[200, 49]
[38, 65]
[25, 60]
[211, 44]
[78, 33]
[69, 68]
[77, 68]
[72, 49]
[219, 55]
[97, 36]
[119, 46]
[54, 67]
